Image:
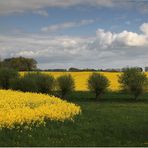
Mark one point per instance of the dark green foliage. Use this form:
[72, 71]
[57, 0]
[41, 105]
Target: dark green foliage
[98, 84]
[133, 81]
[65, 85]
[20, 63]
[24, 84]
[6, 76]
[35, 82]
[1, 63]
[45, 83]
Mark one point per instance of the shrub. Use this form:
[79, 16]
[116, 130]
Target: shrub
[24, 84]
[6, 76]
[65, 85]
[35, 82]
[45, 83]
[133, 81]
[97, 83]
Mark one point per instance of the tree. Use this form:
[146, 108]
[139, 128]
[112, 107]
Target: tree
[45, 83]
[97, 83]
[0, 63]
[34, 82]
[133, 81]
[65, 84]
[20, 63]
[72, 69]
[6, 76]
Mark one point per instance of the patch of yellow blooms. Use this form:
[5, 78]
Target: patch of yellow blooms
[32, 108]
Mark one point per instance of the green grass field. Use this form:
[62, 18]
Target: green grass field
[116, 120]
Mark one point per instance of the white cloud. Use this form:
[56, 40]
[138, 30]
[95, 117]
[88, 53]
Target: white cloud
[41, 12]
[144, 28]
[123, 39]
[56, 27]
[106, 49]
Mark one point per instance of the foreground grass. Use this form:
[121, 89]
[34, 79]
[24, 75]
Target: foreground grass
[114, 121]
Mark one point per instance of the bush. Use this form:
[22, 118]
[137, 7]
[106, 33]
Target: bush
[98, 84]
[24, 84]
[35, 82]
[6, 76]
[45, 83]
[65, 85]
[133, 81]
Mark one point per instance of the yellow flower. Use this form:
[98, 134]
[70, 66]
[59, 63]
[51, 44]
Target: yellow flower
[29, 108]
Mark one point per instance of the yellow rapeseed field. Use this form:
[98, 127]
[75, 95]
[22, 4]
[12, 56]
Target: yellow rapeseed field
[82, 77]
[18, 108]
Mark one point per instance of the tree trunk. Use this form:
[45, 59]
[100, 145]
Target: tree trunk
[98, 96]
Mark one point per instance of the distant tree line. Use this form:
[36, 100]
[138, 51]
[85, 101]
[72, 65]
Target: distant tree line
[30, 64]
[55, 70]
[73, 69]
[19, 63]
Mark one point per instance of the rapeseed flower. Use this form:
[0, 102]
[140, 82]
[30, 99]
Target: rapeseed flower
[31, 108]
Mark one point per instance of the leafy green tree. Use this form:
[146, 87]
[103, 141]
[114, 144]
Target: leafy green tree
[20, 63]
[6, 76]
[45, 83]
[65, 84]
[24, 84]
[0, 63]
[133, 81]
[35, 82]
[98, 83]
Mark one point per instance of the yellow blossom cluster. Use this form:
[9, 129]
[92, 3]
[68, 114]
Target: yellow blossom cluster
[32, 108]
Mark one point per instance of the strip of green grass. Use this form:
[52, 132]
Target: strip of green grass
[85, 96]
[105, 123]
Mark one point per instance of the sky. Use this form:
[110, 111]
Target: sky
[75, 33]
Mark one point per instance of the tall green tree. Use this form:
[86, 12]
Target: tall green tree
[133, 81]
[6, 76]
[98, 84]
[20, 63]
[65, 84]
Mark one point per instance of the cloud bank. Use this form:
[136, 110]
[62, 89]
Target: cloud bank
[106, 49]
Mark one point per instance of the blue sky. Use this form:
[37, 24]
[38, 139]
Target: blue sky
[107, 18]
[55, 32]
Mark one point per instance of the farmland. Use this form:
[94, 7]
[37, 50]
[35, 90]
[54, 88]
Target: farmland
[35, 119]
[82, 77]
[17, 108]
[73, 73]
[116, 121]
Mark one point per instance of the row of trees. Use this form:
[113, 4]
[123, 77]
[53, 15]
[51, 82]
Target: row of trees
[132, 80]
[36, 82]
[30, 64]
[19, 63]
[73, 69]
